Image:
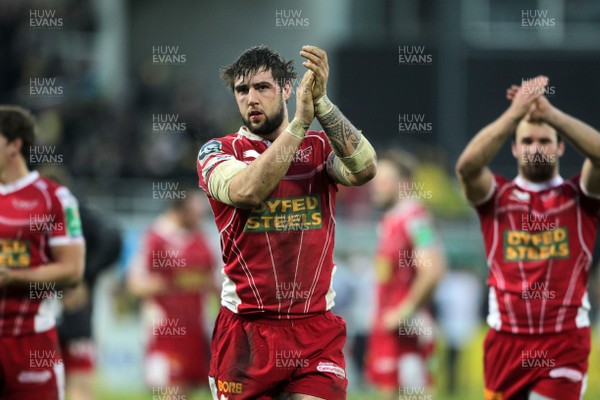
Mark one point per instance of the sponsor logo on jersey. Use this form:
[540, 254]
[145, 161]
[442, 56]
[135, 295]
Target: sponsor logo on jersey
[25, 204]
[285, 214]
[302, 155]
[331, 368]
[230, 387]
[535, 246]
[34, 376]
[14, 253]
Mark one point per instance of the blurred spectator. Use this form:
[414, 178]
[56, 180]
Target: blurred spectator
[173, 274]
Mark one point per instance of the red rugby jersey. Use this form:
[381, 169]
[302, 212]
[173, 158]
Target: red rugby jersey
[185, 262]
[35, 214]
[404, 232]
[538, 240]
[278, 256]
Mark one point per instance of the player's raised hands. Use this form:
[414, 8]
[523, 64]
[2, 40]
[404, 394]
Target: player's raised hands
[523, 97]
[316, 61]
[305, 109]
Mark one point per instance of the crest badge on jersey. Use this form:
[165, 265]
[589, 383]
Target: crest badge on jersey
[211, 147]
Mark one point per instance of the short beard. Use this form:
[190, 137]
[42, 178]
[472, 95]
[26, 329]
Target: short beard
[538, 173]
[269, 125]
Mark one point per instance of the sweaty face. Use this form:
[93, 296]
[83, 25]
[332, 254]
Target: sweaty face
[261, 102]
[385, 187]
[537, 150]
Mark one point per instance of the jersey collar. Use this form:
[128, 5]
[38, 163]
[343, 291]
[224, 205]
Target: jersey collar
[246, 133]
[19, 183]
[538, 187]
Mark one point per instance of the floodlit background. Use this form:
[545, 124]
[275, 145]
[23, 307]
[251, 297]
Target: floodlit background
[127, 123]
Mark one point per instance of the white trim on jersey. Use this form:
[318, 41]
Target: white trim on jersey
[523, 279]
[330, 229]
[298, 261]
[14, 222]
[493, 318]
[249, 135]
[44, 319]
[546, 284]
[579, 266]
[213, 388]
[274, 275]
[59, 375]
[64, 240]
[584, 384]
[229, 297]
[43, 188]
[19, 319]
[19, 183]
[538, 187]
[249, 276]
[582, 320]
[330, 296]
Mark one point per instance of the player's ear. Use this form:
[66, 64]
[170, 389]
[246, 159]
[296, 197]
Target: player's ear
[513, 147]
[561, 148]
[287, 90]
[15, 146]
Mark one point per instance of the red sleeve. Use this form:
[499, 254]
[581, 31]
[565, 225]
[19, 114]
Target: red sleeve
[326, 147]
[486, 206]
[326, 151]
[64, 211]
[213, 153]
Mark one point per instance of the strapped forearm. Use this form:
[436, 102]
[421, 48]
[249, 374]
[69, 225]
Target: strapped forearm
[353, 149]
[259, 178]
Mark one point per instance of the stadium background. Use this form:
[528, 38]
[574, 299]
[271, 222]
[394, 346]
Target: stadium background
[95, 74]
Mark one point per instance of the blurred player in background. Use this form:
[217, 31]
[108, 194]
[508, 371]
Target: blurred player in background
[173, 273]
[272, 188]
[103, 243]
[41, 252]
[539, 231]
[410, 261]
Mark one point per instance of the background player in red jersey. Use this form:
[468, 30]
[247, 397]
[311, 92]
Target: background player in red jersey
[409, 263]
[272, 188]
[539, 230]
[41, 252]
[173, 273]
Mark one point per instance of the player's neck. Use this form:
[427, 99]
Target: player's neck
[15, 170]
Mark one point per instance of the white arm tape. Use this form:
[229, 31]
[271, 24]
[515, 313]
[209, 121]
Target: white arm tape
[220, 179]
[363, 156]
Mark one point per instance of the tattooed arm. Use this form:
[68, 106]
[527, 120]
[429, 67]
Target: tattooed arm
[353, 161]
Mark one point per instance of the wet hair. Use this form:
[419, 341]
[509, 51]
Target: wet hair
[17, 123]
[255, 59]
